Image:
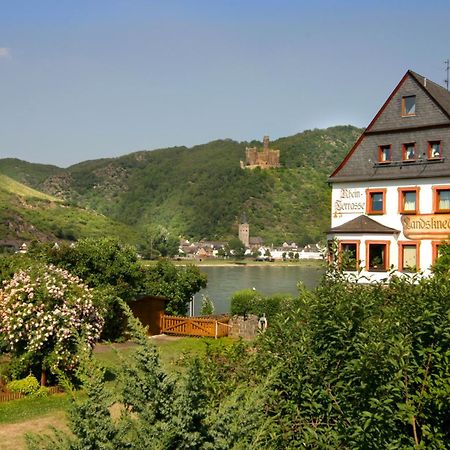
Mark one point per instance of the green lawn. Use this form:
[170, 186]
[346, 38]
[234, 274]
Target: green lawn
[173, 351]
[29, 408]
[174, 354]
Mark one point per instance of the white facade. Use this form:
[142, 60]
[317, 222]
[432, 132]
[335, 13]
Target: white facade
[391, 194]
[349, 201]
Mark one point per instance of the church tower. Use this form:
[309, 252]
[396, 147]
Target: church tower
[244, 231]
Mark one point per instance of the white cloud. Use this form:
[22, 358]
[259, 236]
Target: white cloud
[5, 52]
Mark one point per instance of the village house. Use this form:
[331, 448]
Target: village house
[391, 193]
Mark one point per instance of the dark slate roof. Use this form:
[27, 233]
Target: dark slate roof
[256, 240]
[440, 95]
[422, 168]
[362, 224]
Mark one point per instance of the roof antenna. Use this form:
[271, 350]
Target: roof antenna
[447, 67]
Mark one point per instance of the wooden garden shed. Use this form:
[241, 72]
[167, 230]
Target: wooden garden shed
[149, 309]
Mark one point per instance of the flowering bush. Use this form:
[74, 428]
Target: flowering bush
[47, 312]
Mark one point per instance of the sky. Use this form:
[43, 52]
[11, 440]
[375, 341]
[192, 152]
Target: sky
[85, 79]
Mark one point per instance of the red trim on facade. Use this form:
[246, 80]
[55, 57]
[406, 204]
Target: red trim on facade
[378, 114]
[368, 129]
[402, 244]
[404, 113]
[357, 243]
[401, 192]
[404, 147]
[349, 154]
[380, 154]
[369, 192]
[352, 150]
[429, 94]
[436, 190]
[430, 143]
[435, 250]
[387, 255]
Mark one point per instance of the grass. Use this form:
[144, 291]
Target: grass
[29, 408]
[174, 351]
[14, 187]
[174, 354]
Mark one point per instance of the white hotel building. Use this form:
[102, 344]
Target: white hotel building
[391, 193]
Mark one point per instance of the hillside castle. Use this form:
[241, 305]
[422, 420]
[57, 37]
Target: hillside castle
[265, 159]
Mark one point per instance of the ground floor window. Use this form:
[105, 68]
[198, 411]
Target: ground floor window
[377, 256]
[349, 254]
[436, 250]
[408, 257]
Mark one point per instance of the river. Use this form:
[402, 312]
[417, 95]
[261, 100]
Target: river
[224, 281]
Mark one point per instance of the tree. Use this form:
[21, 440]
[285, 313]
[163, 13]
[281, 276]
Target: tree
[105, 264]
[162, 412]
[235, 248]
[207, 306]
[160, 242]
[45, 315]
[99, 262]
[178, 284]
[442, 263]
[256, 253]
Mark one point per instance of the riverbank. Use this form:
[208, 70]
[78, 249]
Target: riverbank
[245, 263]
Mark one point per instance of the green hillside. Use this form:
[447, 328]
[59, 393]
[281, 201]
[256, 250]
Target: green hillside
[201, 192]
[26, 214]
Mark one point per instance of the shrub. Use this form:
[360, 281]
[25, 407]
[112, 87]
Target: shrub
[46, 314]
[271, 305]
[43, 391]
[207, 306]
[26, 386]
[242, 302]
[252, 302]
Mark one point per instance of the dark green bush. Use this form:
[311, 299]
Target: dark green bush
[249, 301]
[242, 302]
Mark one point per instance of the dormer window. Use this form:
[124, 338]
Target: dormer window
[434, 150]
[409, 152]
[384, 154]
[409, 105]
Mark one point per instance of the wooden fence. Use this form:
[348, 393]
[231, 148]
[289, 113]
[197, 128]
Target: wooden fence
[7, 396]
[195, 326]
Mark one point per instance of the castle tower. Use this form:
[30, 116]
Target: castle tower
[244, 231]
[265, 158]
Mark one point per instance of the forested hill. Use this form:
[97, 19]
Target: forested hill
[201, 192]
[27, 214]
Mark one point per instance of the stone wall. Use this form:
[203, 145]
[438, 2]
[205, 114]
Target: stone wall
[245, 328]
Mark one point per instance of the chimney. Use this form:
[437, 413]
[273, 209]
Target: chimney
[425, 82]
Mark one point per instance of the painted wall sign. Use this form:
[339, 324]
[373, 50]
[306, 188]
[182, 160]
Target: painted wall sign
[426, 226]
[350, 201]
